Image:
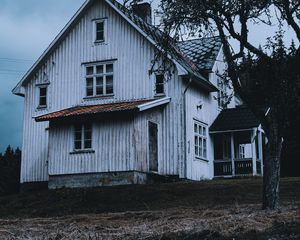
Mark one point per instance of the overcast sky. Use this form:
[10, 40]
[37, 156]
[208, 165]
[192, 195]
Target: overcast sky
[27, 27]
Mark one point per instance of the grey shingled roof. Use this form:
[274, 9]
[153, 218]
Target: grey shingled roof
[175, 51]
[203, 52]
[234, 119]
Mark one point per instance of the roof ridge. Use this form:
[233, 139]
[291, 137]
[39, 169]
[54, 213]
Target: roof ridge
[187, 40]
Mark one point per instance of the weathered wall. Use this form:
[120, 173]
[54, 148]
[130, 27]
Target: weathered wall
[63, 71]
[198, 169]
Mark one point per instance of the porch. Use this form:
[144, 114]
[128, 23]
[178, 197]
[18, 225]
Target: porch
[238, 144]
[238, 154]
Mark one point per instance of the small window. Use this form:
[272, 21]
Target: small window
[222, 93]
[43, 97]
[159, 84]
[99, 80]
[83, 137]
[200, 140]
[100, 30]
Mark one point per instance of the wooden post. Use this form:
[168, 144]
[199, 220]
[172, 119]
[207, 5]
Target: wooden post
[253, 140]
[232, 154]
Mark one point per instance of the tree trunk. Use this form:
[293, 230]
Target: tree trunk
[272, 170]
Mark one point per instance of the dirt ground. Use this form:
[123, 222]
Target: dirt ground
[221, 209]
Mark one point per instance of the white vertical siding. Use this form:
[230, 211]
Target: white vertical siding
[118, 145]
[111, 141]
[198, 169]
[64, 70]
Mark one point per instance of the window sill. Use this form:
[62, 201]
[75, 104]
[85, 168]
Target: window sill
[201, 159]
[82, 151]
[100, 42]
[41, 108]
[99, 97]
[160, 95]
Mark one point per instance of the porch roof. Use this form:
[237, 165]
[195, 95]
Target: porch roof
[121, 106]
[233, 119]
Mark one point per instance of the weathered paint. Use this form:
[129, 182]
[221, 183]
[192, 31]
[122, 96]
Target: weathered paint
[63, 71]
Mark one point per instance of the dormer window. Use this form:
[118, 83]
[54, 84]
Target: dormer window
[100, 30]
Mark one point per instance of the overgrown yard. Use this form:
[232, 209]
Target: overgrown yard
[221, 209]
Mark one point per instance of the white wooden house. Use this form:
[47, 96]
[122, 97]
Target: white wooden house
[96, 115]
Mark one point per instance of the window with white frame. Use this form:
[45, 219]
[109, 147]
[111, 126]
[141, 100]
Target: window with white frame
[242, 151]
[159, 84]
[42, 96]
[100, 30]
[222, 93]
[83, 137]
[99, 79]
[200, 140]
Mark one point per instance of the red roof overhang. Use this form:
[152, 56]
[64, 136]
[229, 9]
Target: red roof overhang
[79, 111]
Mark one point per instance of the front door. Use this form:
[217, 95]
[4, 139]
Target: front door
[153, 147]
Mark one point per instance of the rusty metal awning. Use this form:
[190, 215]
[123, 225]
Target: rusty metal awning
[114, 107]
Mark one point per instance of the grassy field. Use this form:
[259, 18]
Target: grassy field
[220, 209]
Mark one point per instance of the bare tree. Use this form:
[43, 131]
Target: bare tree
[264, 78]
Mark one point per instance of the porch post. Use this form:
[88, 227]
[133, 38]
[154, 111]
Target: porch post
[253, 143]
[232, 154]
[260, 151]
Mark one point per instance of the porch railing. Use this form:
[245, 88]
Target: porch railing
[242, 167]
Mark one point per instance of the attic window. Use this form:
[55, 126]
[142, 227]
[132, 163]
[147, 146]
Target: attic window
[159, 84]
[100, 30]
[42, 97]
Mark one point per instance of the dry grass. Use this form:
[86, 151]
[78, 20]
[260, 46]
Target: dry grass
[232, 219]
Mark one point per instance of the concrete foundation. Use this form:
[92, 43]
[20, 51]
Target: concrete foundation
[96, 179]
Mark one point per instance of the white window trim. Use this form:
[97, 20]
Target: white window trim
[82, 149]
[95, 21]
[40, 86]
[95, 75]
[202, 137]
[163, 84]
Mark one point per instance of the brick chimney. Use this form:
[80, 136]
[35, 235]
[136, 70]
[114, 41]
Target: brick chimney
[144, 11]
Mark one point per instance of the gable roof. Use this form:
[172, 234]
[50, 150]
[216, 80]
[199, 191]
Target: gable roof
[96, 110]
[152, 33]
[240, 118]
[203, 52]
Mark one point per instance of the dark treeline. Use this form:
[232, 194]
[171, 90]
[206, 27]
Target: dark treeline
[10, 163]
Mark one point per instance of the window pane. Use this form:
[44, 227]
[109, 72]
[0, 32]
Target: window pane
[109, 68]
[88, 127]
[159, 84]
[88, 135]
[78, 136]
[99, 69]
[204, 148]
[200, 130]
[78, 144]
[89, 70]
[109, 84]
[100, 26]
[89, 87]
[196, 151]
[88, 144]
[200, 147]
[43, 101]
[204, 131]
[99, 86]
[43, 91]
[100, 36]
[195, 128]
